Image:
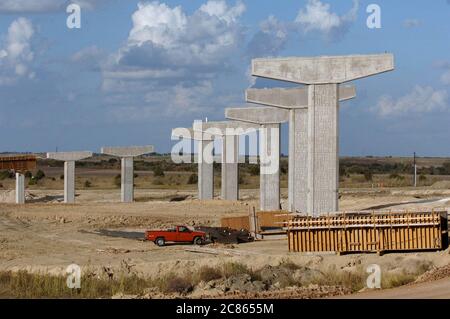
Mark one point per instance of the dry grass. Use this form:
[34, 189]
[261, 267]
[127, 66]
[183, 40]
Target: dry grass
[26, 285]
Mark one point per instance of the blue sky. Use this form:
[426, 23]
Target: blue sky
[137, 69]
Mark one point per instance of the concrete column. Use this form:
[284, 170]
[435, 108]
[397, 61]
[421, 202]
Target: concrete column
[269, 167]
[323, 148]
[69, 159]
[298, 156]
[205, 171]
[322, 75]
[127, 173]
[230, 167]
[20, 188]
[127, 181]
[69, 182]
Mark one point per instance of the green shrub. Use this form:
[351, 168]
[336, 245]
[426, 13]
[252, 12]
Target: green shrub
[6, 174]
[28, 174]
[158, 171]
[254, 170]
[178, 284]
[39, 175]
[118, 180]
[207, 273]
[193, 179]
[158, 181]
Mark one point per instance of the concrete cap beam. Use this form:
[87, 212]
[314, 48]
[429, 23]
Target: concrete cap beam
[295, 98]
[131, 151]
[258, 115]
[68, 156]
[323, 69]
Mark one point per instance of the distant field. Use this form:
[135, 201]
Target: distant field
[159, 172]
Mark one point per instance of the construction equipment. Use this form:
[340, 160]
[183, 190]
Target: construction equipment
[18, 163]
[369, 232]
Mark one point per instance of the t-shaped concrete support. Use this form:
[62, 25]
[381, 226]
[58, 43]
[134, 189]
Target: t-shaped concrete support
[322, 75]
[20, 188]
[269, 149]
[127, 172]
[296, 101]
[205, 161]
[69, 159]
[229, 131]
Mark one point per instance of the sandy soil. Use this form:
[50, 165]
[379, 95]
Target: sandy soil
[48, 236]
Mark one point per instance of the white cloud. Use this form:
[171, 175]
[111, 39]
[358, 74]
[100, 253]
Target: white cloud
[269, 40]
[317, 16]
[174, 56]
[419, 100]
[170, 37]
[16, 55]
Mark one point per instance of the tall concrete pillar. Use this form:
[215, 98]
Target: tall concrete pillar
[323, 148]
[269, 120]
[298, 159]
[20, 188]
[230, 167]
[205, 171]
[296, 102]
[322, 75]
[69, 181]
[127, 155]
[69, 159]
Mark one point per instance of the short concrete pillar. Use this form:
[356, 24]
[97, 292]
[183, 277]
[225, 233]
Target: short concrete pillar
[20, 188]
[269, 119]
[230, 151]
[127, 180]
[69, 182]
[230, 167]
[69, 159]
[127, 155]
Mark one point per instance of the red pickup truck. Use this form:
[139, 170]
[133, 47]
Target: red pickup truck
[179, 234]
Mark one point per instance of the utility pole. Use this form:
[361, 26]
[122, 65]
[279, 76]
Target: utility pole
[415, 170]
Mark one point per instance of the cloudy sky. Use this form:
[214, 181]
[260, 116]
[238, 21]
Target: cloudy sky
[137, 69]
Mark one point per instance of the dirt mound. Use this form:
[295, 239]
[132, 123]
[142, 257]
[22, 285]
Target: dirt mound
[441, 185]
[434, 274]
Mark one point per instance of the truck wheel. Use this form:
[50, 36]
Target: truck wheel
[160, 242]
[198, 241]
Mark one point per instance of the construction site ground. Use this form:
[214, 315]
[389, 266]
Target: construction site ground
[99, 231]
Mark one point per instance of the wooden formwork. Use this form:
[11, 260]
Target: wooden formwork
[258, 221]
[241, 222]
[369, 232]
[18, 163]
